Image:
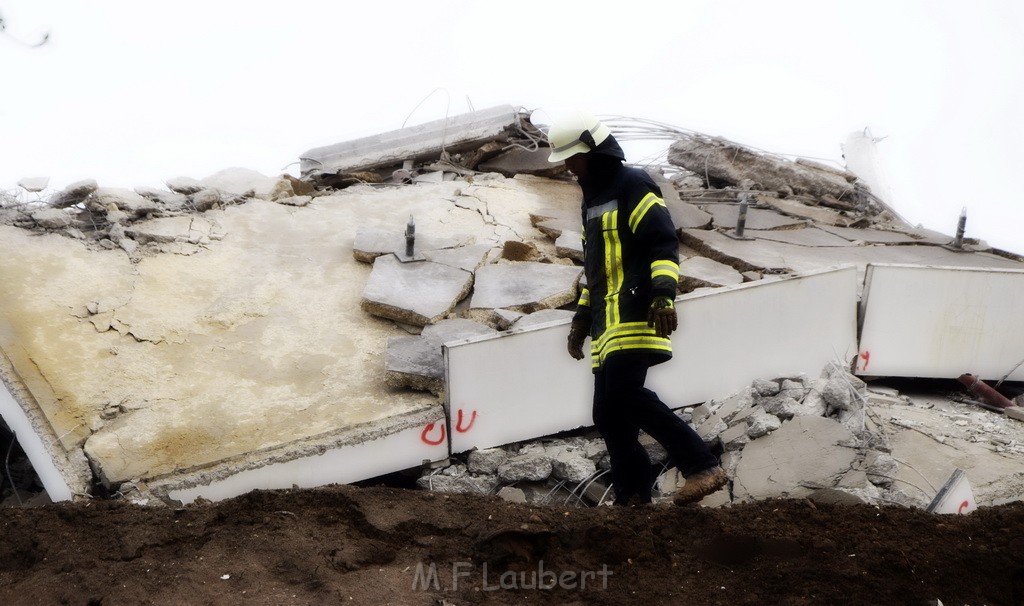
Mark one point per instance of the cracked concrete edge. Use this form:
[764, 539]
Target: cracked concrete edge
[65, 473]
[162, 486]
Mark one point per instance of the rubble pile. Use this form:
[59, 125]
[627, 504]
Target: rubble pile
[828, 439]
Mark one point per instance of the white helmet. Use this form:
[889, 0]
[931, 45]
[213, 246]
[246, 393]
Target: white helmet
[576, 133]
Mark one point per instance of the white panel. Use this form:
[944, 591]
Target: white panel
[56, 487]
[942, 322]
[401, 450]
[513, 388]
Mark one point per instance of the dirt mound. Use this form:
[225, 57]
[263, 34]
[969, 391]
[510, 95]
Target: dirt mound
[393, 546]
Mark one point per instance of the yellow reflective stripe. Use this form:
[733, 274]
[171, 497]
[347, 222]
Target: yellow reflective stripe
[612, 266]
[623, 330]
[665, 267]
[648, 202]
[584, 298]
[650, 343]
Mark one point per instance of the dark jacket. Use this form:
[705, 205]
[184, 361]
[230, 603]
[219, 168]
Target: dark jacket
[630, 256]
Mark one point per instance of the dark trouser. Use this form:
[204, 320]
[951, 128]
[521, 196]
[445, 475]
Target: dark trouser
[622, 407]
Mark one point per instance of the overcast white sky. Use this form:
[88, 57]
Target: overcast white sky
[134, 93]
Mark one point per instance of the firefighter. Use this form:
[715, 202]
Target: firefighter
[627, 308]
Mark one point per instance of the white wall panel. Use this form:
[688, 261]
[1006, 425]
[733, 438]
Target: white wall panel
[941, 322]
[525, 385]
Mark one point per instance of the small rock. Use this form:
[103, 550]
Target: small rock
[760, 423]
[572, 468]
[765, 388]
[529, 467]
[781, 406]
[487, 460]
[512, 494]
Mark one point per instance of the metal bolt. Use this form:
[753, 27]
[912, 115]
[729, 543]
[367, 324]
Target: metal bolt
[741, 219]
[410, 238]
[960, 227]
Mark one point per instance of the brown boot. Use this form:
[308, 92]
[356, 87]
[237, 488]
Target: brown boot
[700, 485]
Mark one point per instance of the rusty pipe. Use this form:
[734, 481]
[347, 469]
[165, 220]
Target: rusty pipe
[979, 388]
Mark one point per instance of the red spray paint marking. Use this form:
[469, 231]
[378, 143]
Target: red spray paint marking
[963, 506]
[458, 424]
[428, 429]
[867, 357]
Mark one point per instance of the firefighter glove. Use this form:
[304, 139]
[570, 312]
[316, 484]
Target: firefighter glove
[577, 333]
[662, 316]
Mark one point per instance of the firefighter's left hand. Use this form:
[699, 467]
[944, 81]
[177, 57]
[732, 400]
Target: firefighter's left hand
[662, 316]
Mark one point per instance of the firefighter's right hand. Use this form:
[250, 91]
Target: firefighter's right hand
[575, 345]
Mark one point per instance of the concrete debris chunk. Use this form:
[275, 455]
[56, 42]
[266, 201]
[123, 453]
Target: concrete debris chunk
[418, 293]
[531, 467]
[725, 216]
[803, 452]
[463, 483]
[418, 362]
[511, 494]
[734, 164]
[467, 258]
[571, 467]
[124, 200]
[241, 182]
[702, 272]
[760, 423]
[543, 316]
[416, 143]
[795, 208]
[74, 193]
[170, 200]
[780, 405]
[765, 388]
[206, 199]
[568, 245]
[52, 218]
[519, 161]
[881, 468]
[34, 184]
[184, 185]
[525, 287]
[486, 461]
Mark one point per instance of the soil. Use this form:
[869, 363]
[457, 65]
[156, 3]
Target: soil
[378, 545]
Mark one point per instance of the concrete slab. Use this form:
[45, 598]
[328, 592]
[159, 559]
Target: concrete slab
[519, 161]
[762, 255]
[525, 287]
[725, 216]
[34, 184]
[193, 368]
[794, 208]
[961, 320]
[702, 272]
[872, 236]
[467, 258]
[417, 293]
[803, 454]
[722, 341]
[807, 236]
[684, 215]
[371, 243]
[418, 362]
[420, 142]
[569, 246]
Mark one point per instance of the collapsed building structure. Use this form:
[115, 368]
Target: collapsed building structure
[403, 305]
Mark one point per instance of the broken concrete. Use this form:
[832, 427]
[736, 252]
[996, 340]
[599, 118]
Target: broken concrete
[424, 141]
[525, 287]
[418, 293]
[418, 362]
[736, 165]
[804, 453]
[701, 272]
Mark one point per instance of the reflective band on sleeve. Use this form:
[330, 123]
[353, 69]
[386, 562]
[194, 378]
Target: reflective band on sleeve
[649, 201]
[584, 298]
[665, 267]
